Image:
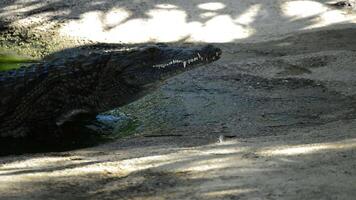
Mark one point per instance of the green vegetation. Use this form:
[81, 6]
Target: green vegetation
[12, 61]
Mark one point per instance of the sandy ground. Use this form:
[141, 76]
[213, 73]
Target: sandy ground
[273, 119]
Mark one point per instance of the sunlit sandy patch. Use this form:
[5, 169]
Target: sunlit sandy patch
[208, 14]
[89, 26]
[249, 15]
[222, 151]
[221, 28]
[333, 17]
[310, 148]
[212, 6]
[209, 157]
[115, 16]
[161, 25]
[228, 192]
[318, 13]
[166, 6]
[302, 9]
[33, 163]
[167, 26]
[198, 161]
[207, 164]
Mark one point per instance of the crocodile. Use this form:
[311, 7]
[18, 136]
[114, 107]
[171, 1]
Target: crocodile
[37, 100]
[347, 4]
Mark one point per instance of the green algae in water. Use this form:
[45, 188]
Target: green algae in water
[10, 61]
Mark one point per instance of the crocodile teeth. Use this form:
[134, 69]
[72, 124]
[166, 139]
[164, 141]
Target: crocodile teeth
[184, 64]
[199, 56]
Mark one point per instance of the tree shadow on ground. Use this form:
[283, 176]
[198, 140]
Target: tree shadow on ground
[139, 21]
[228, 170]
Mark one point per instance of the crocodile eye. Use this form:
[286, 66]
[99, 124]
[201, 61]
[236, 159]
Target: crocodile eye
[153, 50]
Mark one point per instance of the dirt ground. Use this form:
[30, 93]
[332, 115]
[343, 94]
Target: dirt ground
[273, 119]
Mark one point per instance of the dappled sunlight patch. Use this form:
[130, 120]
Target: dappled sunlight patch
[208, 157]
[207, 164]
[115, 17]
[302, 9]
[217, 188]
[166, 6]
[167, 26]
[141, 22]
[17, 177]
[239, 170]
[95, 169]
[142, 163]
[134, 164]
[165, 23]
[33, 163]
[212, 6]
[34, 169]
[333, 17]
[158, 27]
[226, 150]
[249, 15]
[89, 24]
[185, 157]
[221, 28]
[208, 14]
[225, 192]
[309, 148]
[236, 159]
[321, 14]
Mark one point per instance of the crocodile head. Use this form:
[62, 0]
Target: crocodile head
[156, 63]
[143, 69]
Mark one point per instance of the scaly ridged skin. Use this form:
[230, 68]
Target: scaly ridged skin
[37, 95]
[37, 100]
